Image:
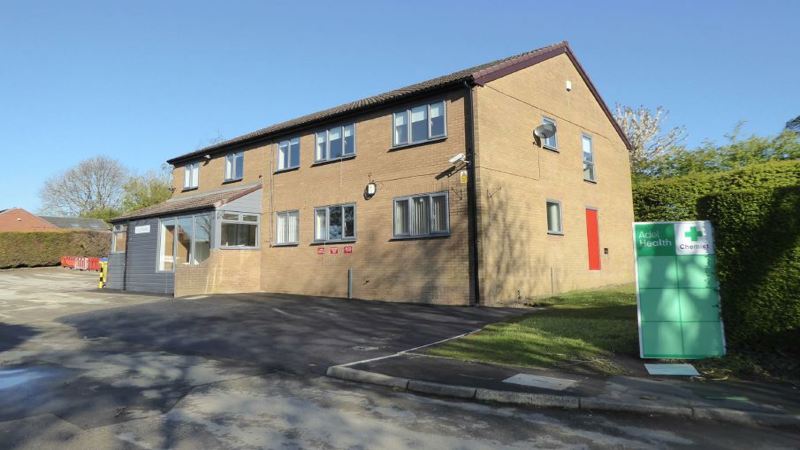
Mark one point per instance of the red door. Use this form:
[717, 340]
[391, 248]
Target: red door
[593, 237]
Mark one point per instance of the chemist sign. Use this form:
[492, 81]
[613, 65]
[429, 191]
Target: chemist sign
[677, 290]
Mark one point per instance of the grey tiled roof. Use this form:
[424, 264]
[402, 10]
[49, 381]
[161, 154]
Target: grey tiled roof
[204, 200]
[77, 222]
[478, 74]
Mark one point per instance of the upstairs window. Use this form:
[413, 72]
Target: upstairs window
[335, 143]
[588, 158]
[286, 228]
[289, 154]
[234, 166]
[421, 215]
[551, 142]
[419, 124]
[119, 241]
[554, 225]
[191, 175]
[335, 223]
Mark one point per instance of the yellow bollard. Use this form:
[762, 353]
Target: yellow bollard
[103, 275]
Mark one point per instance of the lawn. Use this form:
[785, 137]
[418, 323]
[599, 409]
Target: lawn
[590, 331]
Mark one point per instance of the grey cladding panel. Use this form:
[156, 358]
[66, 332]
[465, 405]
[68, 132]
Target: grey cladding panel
[142, 275]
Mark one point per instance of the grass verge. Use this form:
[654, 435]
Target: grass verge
[581, 332]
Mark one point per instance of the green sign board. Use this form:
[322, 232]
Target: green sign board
[677, 290]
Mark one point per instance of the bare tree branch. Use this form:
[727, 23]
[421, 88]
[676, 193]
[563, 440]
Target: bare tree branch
[643, 128]
[93, 186]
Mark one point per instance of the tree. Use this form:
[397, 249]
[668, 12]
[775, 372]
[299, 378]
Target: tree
[643, 128]
[93, 188]
[794, 125]
[736, 153]
[148, 189]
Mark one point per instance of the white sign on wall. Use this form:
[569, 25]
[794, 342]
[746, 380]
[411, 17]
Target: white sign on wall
[141, 229]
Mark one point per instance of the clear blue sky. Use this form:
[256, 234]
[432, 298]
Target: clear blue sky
[143, 81]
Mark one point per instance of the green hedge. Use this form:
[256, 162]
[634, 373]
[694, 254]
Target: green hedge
[758, 262]
[47, 248]
[676, 198]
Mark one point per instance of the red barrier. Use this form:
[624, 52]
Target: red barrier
[81, 263]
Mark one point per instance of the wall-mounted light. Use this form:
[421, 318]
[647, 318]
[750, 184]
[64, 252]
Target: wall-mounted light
[370, 190]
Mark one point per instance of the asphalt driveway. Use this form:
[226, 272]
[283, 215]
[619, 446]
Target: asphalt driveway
[84, 368]
[288, 333]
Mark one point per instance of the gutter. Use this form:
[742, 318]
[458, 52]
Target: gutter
[472, 194]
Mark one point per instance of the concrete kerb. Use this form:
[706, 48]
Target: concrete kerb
[569, 402]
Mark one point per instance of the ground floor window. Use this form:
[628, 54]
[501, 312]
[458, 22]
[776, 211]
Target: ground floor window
[421, 215]
[286, 227]
[335, 223]
[239, 230]
[184, 240]
[554, 225]
[119, 239]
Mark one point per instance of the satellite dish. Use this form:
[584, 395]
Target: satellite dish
[545, 131]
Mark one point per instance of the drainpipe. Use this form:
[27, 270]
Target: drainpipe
[127, 248]
[472, 195]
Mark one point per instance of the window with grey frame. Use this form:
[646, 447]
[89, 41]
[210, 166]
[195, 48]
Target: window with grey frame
[286, 227]
[550, 143]
[234, 166]
[588, 158]
[421, 215]
[335, 143]
[335, 223]
[191, 175]
[554, 217]
[289, 154]
[419, 124]
[184, 240]
[119, 240]
[239, 230]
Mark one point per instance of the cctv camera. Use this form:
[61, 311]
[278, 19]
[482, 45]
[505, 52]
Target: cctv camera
[458, 158]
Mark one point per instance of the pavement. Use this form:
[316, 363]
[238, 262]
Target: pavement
[86, 368]
[741, 402]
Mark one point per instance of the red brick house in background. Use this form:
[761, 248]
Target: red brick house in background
[17, 219]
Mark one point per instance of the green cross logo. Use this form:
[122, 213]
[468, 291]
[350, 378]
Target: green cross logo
[693, 234]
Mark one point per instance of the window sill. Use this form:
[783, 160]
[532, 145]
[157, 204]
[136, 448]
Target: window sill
[590, 181]
[290, 169]
[336, 242]
[555, 233]
[188, 189]
[417, 144]
[552, 149]
[288, 244]
[232, 180]
[420, 238]
[329, 161]
[239, 248]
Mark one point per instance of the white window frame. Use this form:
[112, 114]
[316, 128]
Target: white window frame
[287, 214]
[116, 230]
[554, 147]
[409, 199]
[407, 113]
[588, 162]
[326, 133]
[288, 143]
[560, 231]
[328, 223]
[240, 220]
[230, 166]
[191, 176]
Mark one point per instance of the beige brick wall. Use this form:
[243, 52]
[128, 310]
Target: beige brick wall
[516, 177]
[212, 172]
[427, 271]
[224, 272]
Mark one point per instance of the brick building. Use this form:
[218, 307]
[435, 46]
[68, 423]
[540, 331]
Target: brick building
[20, 220]
[438, 192]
